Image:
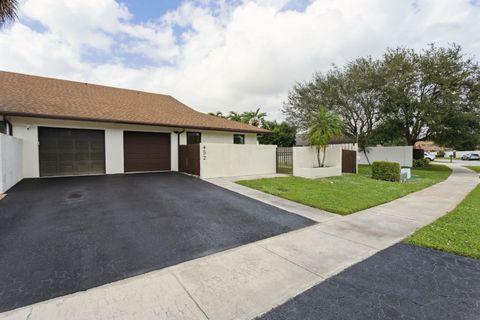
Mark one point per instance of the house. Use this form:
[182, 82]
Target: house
[73, 128]
[428, 146]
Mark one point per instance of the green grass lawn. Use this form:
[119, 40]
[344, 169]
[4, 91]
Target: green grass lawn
[474, 168]
[457, 232]
[348, 193]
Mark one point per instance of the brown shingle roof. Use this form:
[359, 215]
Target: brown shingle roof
[26, 95]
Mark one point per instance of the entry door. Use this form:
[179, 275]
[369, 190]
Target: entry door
[146, 151]
[71, 151]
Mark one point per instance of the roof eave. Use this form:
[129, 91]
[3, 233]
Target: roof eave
[57, 117]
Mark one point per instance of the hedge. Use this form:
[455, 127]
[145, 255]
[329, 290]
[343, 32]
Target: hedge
[383, 170]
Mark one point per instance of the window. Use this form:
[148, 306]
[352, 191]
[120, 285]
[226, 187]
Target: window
[239, 139]
[194, 137]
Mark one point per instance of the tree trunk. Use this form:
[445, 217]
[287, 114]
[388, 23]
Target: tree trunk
[368, 160]
[324, 155]
[318, 156]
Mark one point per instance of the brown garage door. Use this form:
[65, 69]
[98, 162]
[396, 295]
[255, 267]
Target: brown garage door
[146, 151]
[71, 151]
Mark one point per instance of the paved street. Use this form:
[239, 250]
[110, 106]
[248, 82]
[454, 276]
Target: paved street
[401, 282]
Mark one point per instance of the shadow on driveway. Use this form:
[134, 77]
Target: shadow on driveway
[62, 235]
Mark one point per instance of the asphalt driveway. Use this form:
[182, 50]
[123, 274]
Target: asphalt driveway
[62, 235]
[401, 282]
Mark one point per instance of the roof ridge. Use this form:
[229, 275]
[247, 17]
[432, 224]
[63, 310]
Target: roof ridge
[86, 83]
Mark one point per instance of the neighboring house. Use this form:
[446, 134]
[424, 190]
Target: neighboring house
[73, 128]
[428, 146]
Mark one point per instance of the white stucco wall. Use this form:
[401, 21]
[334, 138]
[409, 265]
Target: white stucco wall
[27, 130]
[230, 160]
[402, 155]
[305, 162]
[219, 137]
[11, 170]
[459, 154]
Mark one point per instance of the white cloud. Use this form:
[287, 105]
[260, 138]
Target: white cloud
[226, 57]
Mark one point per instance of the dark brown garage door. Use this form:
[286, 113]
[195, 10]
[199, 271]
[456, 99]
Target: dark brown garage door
[146, 151]
[71, 151]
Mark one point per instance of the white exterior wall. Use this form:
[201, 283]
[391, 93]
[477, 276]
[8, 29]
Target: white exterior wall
[219, 137]
[27, 129]
[230, 160]
[402, 155]
[459, 154]
[305, 162]
[11, 170]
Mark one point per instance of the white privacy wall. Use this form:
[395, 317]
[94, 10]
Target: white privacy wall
[230, 160]
[11, 170]
[460, 154]
[402, 155]
[305, 162]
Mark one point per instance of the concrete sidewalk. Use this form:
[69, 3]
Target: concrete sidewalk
[247, 281]
[291, 206]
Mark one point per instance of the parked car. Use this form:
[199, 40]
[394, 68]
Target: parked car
[471, 156]
[429, 156]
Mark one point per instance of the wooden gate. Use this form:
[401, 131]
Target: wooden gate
[189, 159]
[284, 160]
[349, 161]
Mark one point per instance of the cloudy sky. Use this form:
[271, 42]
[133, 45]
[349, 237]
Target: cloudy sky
[222, 55]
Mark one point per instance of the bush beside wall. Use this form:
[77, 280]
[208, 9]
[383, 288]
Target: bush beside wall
[388, 171]
[421, 163]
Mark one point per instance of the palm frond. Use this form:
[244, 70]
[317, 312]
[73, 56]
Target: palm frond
[8, 11]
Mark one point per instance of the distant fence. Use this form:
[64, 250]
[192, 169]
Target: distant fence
[284, 160]
[460, 154]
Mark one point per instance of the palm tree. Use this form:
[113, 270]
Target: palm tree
[8, 11]
[255, 118]
[217, 114]
[324, 126]
[235, 116]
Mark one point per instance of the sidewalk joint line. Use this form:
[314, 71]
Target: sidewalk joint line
[288, 260]
[188, 293]
[354, 241]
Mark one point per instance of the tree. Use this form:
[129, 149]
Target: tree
[282, 134]
[8, 11]
[401, 98]
[235, 116]
[432, 94]
[324, 126]
[217, 114]
[255, 118]
[352, 92]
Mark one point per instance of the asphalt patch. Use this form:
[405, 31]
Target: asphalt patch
[401, 282]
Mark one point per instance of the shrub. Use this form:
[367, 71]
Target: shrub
[421, 163]
[441, 154]
[383, 170]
